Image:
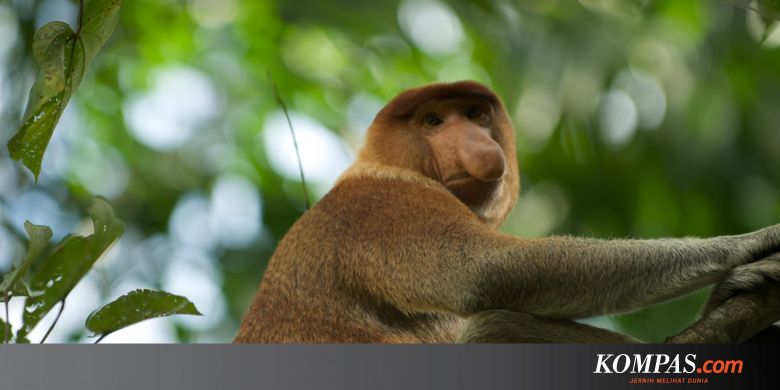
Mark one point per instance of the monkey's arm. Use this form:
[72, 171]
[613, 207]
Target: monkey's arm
[444, 259]
[574, 277]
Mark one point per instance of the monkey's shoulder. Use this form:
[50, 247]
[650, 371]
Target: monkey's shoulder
[363, 210]
[367, 200]
[360, 210]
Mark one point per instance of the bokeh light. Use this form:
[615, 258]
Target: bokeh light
[323, 155]
[432, 26]
[235, 211]
[617, 118]
[639, 119]
[179, 103]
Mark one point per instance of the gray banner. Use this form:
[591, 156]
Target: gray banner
[118, 367]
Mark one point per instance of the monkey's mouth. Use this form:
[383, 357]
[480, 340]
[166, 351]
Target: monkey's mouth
[471, 190]
[464, 179]
[458, 178]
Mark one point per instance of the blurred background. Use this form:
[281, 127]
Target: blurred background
[634, 119]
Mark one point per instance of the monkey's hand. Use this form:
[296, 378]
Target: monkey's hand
[758, 244]
[752, 277]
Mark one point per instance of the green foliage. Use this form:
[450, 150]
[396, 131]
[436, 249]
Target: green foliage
[71, 260]
[706, 167]
[658, 322]
[12, 281]
[136, 306]
[63, 57]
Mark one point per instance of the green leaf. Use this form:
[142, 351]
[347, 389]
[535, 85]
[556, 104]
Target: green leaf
[100, 18]
[55, 50]
[72, 259]
[136, 306]
[12, 281]
[63, 56]
[20, 289]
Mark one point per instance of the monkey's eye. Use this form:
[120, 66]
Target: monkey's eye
[475, 112]
[432, 120]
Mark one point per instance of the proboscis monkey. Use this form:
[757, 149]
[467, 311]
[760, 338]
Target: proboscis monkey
[405, 247]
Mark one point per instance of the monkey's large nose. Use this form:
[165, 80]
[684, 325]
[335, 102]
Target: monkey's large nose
[480, 155]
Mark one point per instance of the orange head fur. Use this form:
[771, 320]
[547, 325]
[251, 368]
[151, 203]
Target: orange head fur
[397, 138]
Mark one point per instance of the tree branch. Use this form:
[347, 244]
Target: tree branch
[737, 320]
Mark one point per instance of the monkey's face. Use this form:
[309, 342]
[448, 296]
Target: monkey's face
[455, 133]
[464, 156]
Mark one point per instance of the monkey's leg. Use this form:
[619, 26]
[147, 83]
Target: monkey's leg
[505, 326]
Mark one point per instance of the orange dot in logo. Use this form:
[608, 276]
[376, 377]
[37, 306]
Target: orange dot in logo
[698, 370]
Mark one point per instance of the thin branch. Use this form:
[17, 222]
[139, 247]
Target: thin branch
[51, 327]
[102, 336]
[280, 101]
[7, 333]
[81, 18]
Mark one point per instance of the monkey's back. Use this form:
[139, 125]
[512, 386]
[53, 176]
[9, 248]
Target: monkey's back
[314, 289]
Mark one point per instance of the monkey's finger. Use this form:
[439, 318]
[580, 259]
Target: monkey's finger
[750, 277]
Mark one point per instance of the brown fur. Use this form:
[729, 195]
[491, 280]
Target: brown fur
[392, 141]
[390, 255]
[319, 285]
